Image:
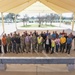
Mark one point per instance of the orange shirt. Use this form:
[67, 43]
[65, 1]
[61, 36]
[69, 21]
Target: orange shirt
[4, 41]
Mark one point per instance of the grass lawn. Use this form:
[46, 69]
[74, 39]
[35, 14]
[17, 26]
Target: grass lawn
[42, 26]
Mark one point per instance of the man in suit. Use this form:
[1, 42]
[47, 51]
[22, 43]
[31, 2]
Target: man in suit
[47, 44]
[18, 47]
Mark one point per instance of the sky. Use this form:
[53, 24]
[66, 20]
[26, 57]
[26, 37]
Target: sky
[37, 8]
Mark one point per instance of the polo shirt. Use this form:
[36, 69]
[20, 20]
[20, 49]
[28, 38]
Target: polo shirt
[69, 40]
[62, 40]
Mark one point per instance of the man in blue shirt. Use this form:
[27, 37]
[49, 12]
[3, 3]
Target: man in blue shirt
[69, 44]
[47, 33]
[53, 35]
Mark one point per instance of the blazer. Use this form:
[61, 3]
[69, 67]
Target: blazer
[49, 42]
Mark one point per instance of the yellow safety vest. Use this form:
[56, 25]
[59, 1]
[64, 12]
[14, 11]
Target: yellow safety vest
[39, 40]
[53, 43]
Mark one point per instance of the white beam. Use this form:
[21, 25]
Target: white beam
[15, 22]
[2, 21]
[60, 20]
[73, 21]
[39, 19]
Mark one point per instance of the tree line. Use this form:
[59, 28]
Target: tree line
[48, 18]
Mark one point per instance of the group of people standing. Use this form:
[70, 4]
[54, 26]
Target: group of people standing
[33, 41]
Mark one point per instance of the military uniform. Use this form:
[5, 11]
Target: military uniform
[34, 41]
[22, 43]
[9, 45]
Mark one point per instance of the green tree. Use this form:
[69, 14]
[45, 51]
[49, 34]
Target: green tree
[11, 17]
[41, 20]
[50, 18]
[25, 19]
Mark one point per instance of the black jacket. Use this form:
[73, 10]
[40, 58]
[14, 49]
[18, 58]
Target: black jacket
[0, 41]
[18, 40]
[49, 42]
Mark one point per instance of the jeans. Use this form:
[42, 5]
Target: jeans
[52, 50]
[18, 47]
[57, 47]
[14, 47]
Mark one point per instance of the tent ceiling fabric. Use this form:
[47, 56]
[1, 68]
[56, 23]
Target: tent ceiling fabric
[64, 4]
[21, 7]
[16, 6]
[54, 7]
[38, 7]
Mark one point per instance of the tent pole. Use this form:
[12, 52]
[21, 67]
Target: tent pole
[2, 22]
[15, 22]
[39, 20]
[73, 21]
[60, 20]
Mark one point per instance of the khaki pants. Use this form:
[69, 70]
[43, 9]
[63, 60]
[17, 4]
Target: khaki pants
[9, 46]
[39, 47]
[27, 47]
[33, 47]
[22, 47]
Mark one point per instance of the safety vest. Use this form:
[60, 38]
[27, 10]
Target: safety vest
[53, 43]
[39, 40]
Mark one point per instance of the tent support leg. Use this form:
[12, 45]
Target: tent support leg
[73, 21]
[15, 23]
[60, 20]
[2, 22]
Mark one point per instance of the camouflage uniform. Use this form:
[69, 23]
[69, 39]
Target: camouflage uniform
[22, 43]
[34, 41]
[9, 44]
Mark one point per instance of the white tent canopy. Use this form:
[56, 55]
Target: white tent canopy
[16, 6]
[38, 7]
